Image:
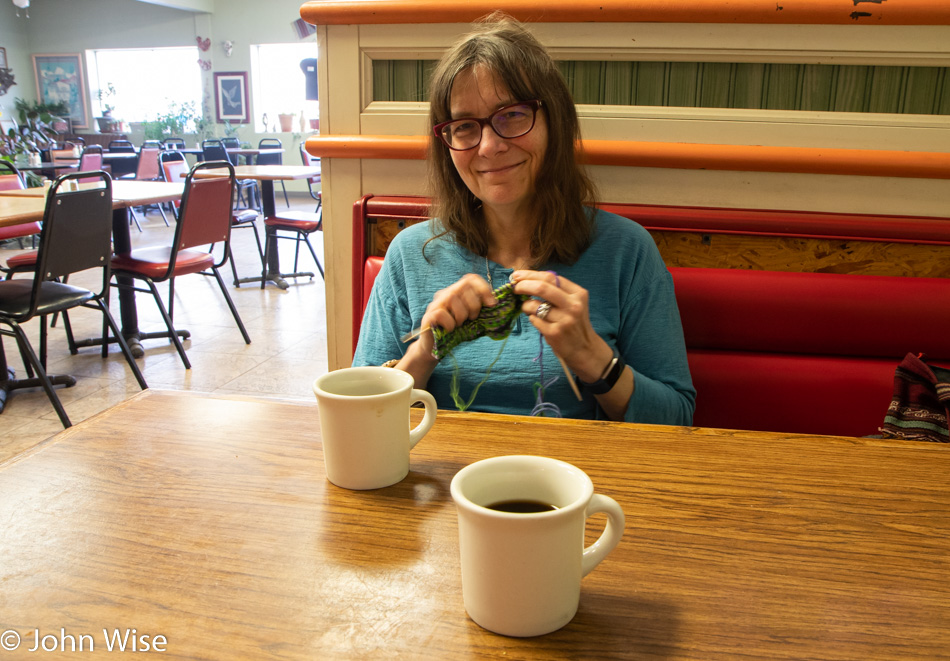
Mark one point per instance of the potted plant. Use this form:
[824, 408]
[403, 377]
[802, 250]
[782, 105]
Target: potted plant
[106, 122]
[41, 116]
[286, 121]
[175, 122]
[17, 145]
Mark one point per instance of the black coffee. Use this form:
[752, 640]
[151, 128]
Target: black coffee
[522, 506]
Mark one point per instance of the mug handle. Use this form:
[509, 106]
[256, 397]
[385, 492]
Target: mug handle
[597, 551]
[415, 435]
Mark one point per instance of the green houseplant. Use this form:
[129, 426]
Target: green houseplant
[177, 121]
[39, 115]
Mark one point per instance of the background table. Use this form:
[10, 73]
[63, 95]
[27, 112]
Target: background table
[267, 175]
[209, 521]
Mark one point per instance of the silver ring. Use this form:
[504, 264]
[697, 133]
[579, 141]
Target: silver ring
[543, 310]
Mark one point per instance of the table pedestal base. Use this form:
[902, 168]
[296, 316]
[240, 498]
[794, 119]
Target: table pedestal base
[277, 278]
[10, 383]
[134, 340]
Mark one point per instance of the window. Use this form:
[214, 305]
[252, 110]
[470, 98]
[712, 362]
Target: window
[147, 81]
[280, 85]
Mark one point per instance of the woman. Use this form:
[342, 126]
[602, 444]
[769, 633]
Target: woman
[512, 204]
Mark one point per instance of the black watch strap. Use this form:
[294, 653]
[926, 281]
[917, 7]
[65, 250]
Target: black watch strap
[609, 377]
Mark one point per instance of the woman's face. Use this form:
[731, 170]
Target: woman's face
[500, 171]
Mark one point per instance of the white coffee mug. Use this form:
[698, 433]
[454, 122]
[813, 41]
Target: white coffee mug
[364, 424]
[521, 572]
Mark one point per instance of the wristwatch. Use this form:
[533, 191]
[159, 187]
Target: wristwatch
[608, 379]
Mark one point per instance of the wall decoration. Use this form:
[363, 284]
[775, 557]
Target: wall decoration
[230, 97]
[6, 74]
[203, 44]
[204, 65]
[59, 79]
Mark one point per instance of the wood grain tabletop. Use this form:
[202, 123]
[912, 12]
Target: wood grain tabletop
[207, 525]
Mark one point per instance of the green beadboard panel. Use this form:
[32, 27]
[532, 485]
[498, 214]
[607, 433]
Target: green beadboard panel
[921, 90]
[886, 87]
[651, 84]
[944, 95]
[851, 89]
[618, 84]
[684, 84]
[816, 87]
[782, 85]
[750, 83]
[717, 85]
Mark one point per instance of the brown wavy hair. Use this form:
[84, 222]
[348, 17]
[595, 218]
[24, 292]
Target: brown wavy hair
[562, 225]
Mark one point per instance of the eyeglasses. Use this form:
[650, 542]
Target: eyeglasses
[511, 121]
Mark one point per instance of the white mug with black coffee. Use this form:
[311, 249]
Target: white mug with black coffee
[521, 538]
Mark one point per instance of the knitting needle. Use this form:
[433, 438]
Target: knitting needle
[570, 379]
[413, 334]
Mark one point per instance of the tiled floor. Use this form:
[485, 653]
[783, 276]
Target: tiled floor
[287, 350]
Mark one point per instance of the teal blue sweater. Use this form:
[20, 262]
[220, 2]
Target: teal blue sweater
[632, 306]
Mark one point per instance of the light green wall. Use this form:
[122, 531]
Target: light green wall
[15, 39]
[74, 26]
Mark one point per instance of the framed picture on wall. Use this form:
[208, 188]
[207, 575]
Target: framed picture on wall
[230, 97]
[59, 78]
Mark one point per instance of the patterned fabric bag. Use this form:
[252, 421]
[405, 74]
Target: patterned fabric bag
[921, 405]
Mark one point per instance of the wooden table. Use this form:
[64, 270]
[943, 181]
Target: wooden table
[125, 194]
[209, 521]
[267, 175]
[254, 151]
[17, 209]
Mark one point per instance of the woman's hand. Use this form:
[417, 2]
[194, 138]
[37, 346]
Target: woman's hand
[566, 325]
[449, 308]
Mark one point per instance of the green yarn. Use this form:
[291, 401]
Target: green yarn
[494, 322]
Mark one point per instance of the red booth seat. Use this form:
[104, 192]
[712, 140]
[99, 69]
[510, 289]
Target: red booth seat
[804, 352]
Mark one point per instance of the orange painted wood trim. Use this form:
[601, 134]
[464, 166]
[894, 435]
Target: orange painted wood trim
[812, 12]
[688, 156]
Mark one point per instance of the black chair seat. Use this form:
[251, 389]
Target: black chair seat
[15, 297]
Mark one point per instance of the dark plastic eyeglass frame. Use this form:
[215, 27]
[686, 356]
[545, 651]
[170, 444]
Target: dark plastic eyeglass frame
[535, 104]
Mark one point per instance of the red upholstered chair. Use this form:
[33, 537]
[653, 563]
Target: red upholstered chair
[300, 225]
[203, 220]
[10, 180]
[148, 170]
[90, 161]
[175, 168]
